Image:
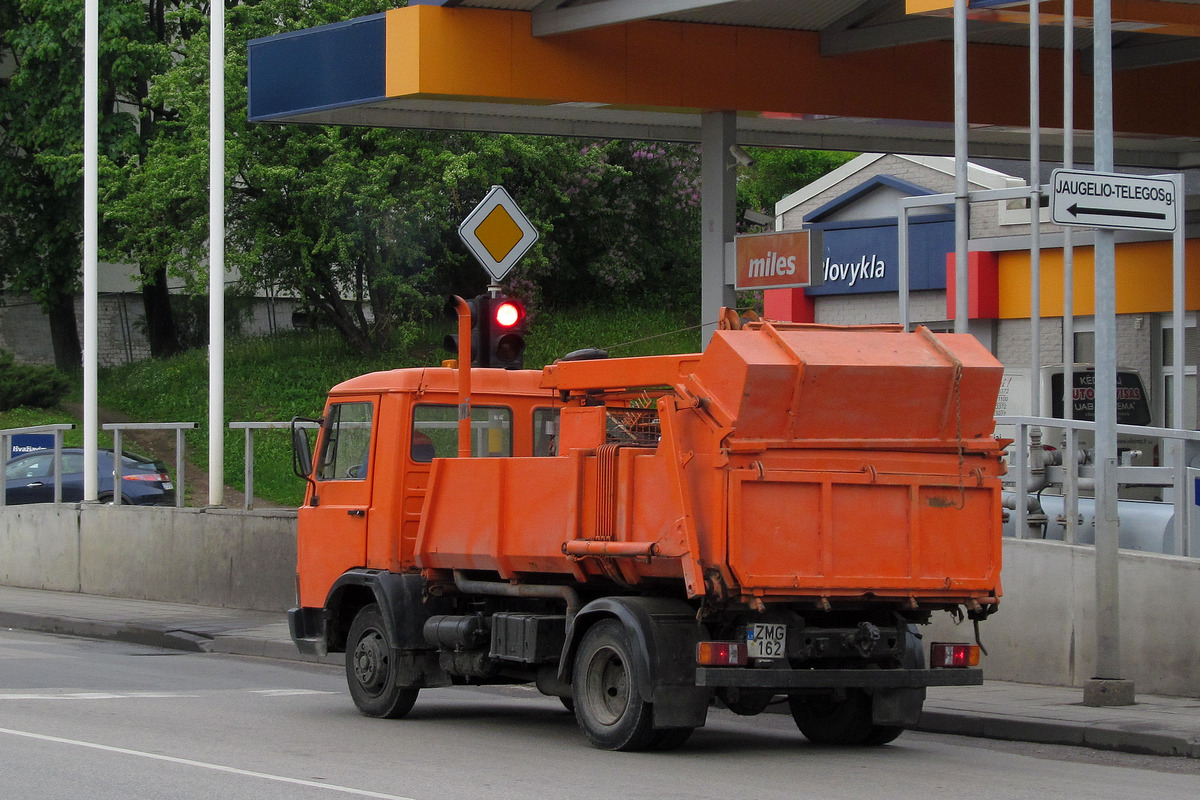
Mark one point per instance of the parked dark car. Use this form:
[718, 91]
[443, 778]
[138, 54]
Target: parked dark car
[30, 478]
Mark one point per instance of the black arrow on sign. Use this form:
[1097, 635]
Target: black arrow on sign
[1077, 210]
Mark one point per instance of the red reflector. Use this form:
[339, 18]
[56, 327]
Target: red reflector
[953, 655]
[721, 654]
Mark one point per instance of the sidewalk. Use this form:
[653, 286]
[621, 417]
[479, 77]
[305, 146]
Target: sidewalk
[1155, 725]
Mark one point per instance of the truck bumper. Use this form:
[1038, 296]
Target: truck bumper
[784, 679]
[307, 627]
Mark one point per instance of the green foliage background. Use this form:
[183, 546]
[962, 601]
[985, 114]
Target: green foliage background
[288, 375]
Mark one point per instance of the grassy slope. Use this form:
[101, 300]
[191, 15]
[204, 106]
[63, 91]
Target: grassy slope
[288, 375]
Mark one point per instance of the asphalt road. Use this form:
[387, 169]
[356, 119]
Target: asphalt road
[103, 720]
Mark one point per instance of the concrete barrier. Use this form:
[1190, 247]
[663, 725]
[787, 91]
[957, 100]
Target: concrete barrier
[214, 557]
[1043, 633]
[1045, 629]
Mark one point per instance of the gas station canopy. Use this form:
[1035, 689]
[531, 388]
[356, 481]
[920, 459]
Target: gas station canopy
[859, 75]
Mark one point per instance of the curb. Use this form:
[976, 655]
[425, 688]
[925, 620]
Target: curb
[173, 639]
[186, 641]
[1080, 734]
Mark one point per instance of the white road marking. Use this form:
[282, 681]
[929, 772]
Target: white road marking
[204, 765]
[90, 695]
[62, 694]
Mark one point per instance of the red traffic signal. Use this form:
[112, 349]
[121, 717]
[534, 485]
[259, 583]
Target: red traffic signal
[506, 337]
[508, 313]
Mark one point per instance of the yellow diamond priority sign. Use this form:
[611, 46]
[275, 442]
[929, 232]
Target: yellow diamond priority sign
[497, 233]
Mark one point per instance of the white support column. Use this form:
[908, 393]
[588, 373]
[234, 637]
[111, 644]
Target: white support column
[216, 257]
[1035, 209]
[91, 149]
[1070, 456]
[962, 205]
[718, 206]
[1106, 687]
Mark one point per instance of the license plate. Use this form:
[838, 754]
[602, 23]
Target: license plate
[766, 641]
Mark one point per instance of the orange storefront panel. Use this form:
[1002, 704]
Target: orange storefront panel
[1143, 275]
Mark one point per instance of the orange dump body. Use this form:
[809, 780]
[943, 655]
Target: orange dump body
[785, 462]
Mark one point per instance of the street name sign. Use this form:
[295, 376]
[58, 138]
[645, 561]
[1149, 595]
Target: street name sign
[1109, 200]
[497, 233]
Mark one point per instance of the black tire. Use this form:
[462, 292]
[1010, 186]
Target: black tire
[568, 704]
[609, 705]
[883, 734]
[669, 739]
[371, 669]
[833, 718]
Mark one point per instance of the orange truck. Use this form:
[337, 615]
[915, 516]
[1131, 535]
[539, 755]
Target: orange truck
[769, 520]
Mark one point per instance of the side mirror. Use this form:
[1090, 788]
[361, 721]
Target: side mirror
[302, 459]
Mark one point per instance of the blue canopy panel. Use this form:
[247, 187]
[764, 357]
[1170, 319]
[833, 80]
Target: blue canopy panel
[315, 69]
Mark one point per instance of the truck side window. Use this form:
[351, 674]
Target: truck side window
[435, 432]
[545, 431]
[347, 442]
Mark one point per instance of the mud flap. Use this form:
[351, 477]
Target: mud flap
[900, 707]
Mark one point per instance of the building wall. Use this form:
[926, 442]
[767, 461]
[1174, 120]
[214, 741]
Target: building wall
[121, 326]
[859, 309]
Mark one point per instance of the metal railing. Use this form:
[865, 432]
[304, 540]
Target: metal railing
[118, 428]
[1031, 476]
[58, 430]
[248, 468]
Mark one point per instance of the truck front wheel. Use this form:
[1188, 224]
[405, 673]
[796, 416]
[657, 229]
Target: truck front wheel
[371, 668]
[609, 704]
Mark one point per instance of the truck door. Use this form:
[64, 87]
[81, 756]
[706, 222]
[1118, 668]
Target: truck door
[333, 525]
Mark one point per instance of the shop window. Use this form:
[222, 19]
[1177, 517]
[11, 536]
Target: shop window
[1191, 352]
[1085, 347]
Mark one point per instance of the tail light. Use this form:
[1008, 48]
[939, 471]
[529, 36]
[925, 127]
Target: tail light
[953, 655]
[147, 476]
[721, 654]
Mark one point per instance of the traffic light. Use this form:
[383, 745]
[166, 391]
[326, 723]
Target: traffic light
[506, 332]
[479, 330]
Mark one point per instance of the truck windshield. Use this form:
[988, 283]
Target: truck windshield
[347, 444]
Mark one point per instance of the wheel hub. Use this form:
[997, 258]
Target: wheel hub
[370, 662]
[609, 685]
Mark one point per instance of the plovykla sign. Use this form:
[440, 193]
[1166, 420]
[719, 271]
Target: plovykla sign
[864, 256]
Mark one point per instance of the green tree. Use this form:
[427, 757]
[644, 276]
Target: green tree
[777, 172]
[362, 223]
[312, 211]
[41, 145]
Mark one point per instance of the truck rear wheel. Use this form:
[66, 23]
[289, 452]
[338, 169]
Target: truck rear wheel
[833, 718]
[609, 705]
[371, 668]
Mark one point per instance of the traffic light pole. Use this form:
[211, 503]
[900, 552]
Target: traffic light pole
[464, 376]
